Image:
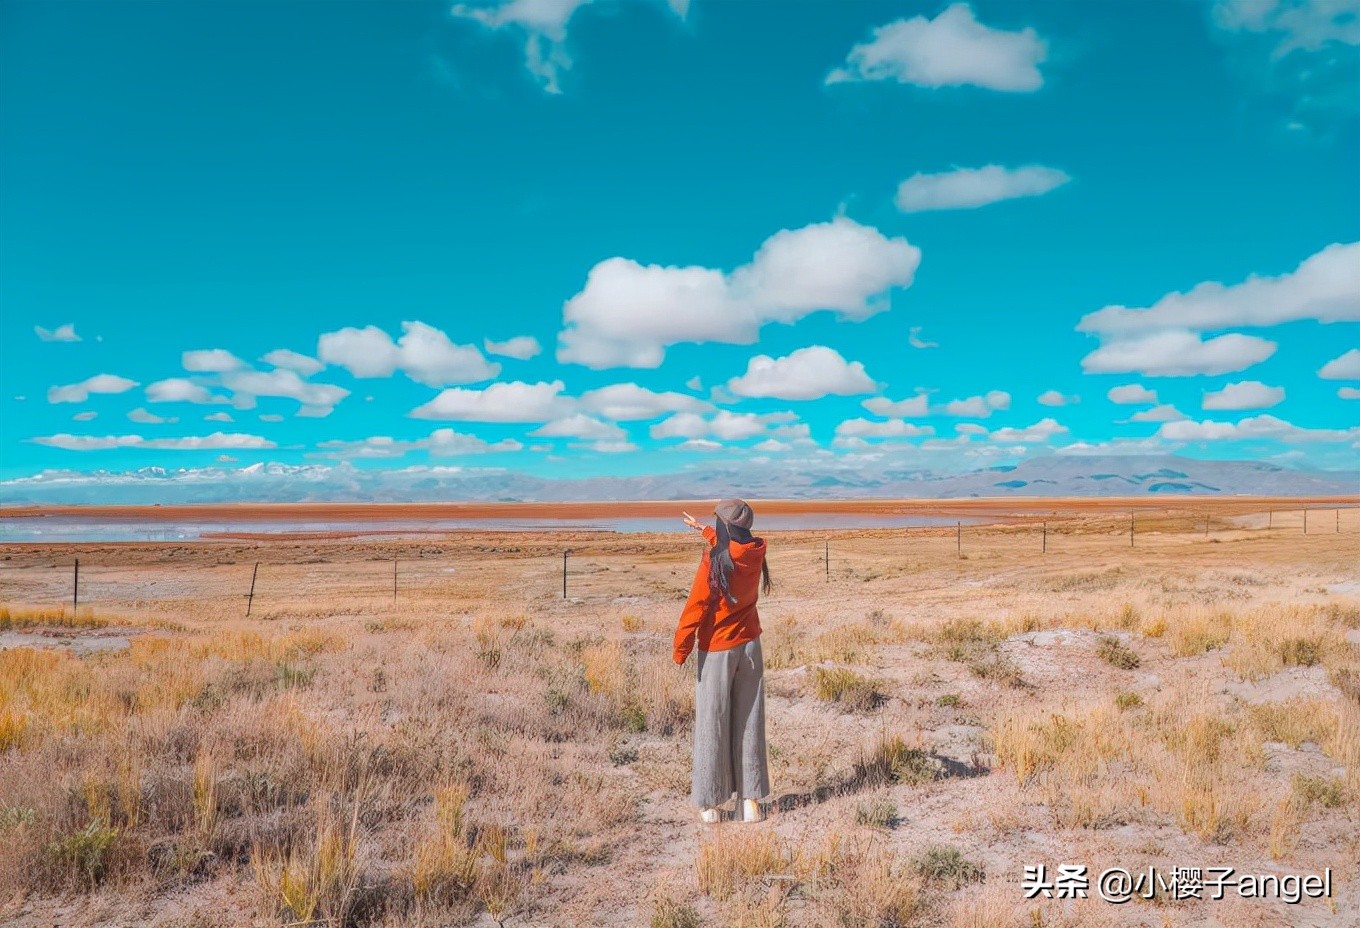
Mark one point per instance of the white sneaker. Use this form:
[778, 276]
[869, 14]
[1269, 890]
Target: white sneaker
[750, 811]
[709, 816]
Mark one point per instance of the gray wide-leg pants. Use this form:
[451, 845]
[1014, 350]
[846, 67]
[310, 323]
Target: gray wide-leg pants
[729, 726]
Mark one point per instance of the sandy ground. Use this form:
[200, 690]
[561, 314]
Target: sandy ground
[1072, 579]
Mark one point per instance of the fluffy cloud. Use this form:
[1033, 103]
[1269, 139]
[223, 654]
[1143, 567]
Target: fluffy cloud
[219, 417]
[1253, 427]
[211, 361]
[511, 401]
[440, 443]
[1346, 367]
[521, 347]
[85, 416]
[148, 418]
[951, 49]
[968, 188]
[180, 390]
[806, 374]
[628, 313]
[1042, 430]
[1178, 353]
[979, 407]
[1294, 24]
[189, 443]
[851, 430]
[62, 333]
[1161, 413]
[423, 353]
[1246, 394]
[542, 25]
[580, 426]
[912, 407]
[628, 402]
[80, 392]
[1131, 394]
[294, 361]
[729, 426]
[1325, 288]
[1054, 398]
[1348, 393]
[317, 399]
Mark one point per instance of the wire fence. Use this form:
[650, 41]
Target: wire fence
[262, 579]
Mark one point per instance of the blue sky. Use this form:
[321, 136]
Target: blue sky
[633, 236]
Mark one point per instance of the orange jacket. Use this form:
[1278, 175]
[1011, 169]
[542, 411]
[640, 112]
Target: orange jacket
[708, 618]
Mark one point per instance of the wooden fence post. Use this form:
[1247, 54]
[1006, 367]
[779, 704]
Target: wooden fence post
[75, 586]
[250, 599]
[565, 552]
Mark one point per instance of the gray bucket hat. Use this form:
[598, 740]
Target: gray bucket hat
[735, 512]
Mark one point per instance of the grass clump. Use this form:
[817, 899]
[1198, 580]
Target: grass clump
[893, 761]
[847, 688]
[946, 867]
[998, 668]
[729, 862]
[668, 912]
[1328, 792]
[1127, 700]
[1115, 653]
[879, 812]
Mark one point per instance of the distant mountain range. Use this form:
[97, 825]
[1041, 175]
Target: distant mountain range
[1054, 475]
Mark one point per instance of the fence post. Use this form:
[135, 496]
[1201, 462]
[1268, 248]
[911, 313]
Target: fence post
[826, 557]
[75, 586]
[1044, 550]
[394, 581]
[565, 552]
[1305, 520]
[1270, 520]
[1338, 521]
[1206, 526]
[1130, 529]
[958, 537]
[250, 600]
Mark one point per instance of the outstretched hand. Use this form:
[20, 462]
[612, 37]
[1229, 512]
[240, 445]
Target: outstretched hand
[693, 522]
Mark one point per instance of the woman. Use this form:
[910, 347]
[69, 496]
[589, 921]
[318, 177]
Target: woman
[729, 695]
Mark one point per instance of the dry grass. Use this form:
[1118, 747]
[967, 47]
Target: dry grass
[524, 761]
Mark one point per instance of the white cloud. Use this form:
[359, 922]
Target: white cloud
[911, 407]
[969, 188]
[1348, 393]
[851, 431]
[542, 25]
[180, 390]
[317, 399]
[521, 347]
[579, 426]
[1293, 24]
[211, 361]
[772, 445]
[979, 407]
[1345, 367]
[628, 313]
[189, 443]
[1042, 430]
[695, 383]
[806, 374]
[628, 402]
[1253, 427]
[1164, 412]
[512, 401]
[608, 447]
[292, 360]
[729, 426]
[1246, 394]
[1055, 398]
[80, 392]
[440, 443]
[1131, 394]
[219, 417]
[1178, 353]
[62, 333]
[270, 417]
[423, 353]
[701, 444]
[952, 49]
[916, 341]
[1325, 288]
[148, 418]
[85, 416]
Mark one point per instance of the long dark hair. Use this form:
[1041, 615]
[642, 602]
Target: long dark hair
[720, 561]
